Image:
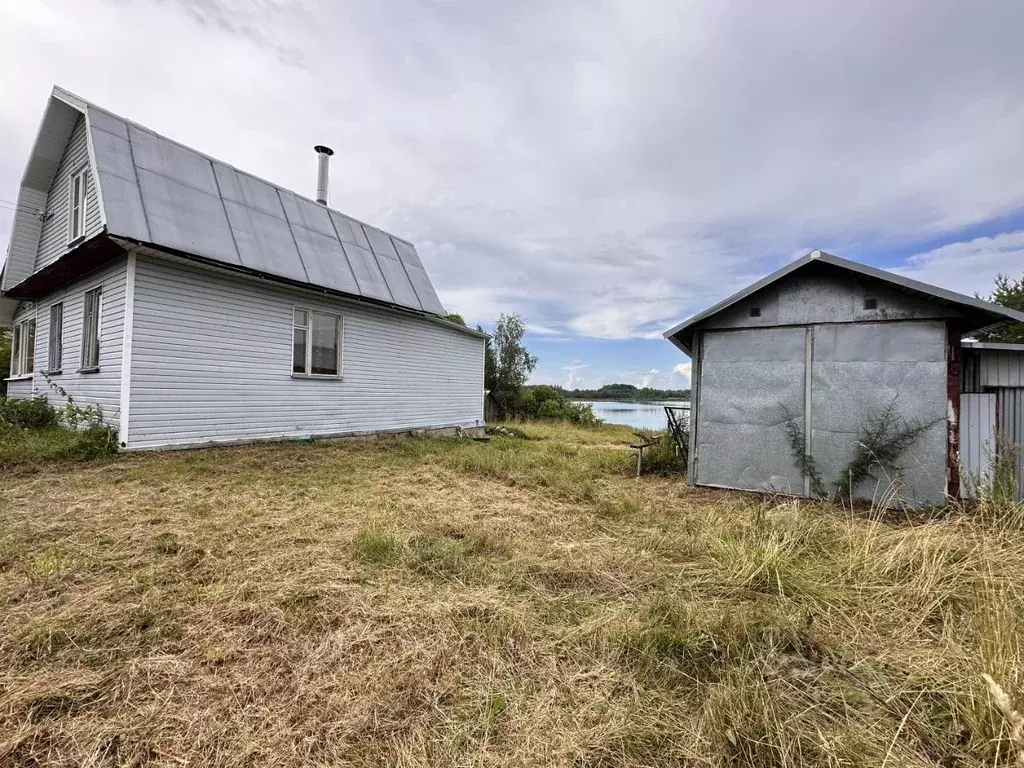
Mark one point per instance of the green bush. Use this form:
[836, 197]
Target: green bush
[547, 402]
[32, 413]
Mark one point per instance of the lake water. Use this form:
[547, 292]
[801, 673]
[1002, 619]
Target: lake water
[649, 415]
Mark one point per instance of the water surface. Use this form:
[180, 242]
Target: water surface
[648, 415]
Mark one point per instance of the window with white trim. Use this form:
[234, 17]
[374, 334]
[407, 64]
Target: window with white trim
[23, 348]
[56, 348]
[76, 205]
[316, 343]
[91, 330]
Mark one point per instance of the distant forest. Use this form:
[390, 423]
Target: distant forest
[626, 392]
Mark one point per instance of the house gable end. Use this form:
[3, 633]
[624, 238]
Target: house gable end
[39, 233]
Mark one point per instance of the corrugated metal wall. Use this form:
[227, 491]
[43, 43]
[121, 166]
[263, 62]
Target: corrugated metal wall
[1010, 407]
[977, 441]
[212, 354]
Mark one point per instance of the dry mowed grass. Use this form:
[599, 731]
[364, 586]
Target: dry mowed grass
[415, 602]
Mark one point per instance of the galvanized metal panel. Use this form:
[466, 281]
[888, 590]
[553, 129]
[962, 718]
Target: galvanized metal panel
[162, 193]
[102, 120]
[1010, 408]
[172, 161]
[212, 361]
[187, 219]
[398, 281]
[349, 230]
[424, 290]
[407, 253]
[977, 441]
[123, 202]
[857, 371]
[325, 261]
[304, 213]
[751, 381]
[243, 189]
[265, 243]
[1001, 368]
[380, 242]
[367, 273]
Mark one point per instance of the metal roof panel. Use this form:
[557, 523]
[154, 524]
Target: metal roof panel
[325, 261]
[186, 219]
[368, 273]
[264, 242]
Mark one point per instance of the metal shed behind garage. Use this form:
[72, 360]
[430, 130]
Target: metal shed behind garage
[818, 347]
[992, 415]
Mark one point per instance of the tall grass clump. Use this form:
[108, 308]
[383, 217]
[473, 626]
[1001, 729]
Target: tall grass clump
[33, 433]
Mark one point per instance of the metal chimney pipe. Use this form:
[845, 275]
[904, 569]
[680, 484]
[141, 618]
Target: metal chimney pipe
[322, 172]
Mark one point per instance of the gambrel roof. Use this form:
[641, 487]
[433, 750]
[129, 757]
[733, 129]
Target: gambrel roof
[156, 192]
[977, 313]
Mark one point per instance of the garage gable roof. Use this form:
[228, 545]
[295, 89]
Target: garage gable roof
[984, 313]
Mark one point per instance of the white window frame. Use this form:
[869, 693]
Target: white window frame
[339, 320]
[20, 350]
[87, 365]
[55, 347]
[76, 201]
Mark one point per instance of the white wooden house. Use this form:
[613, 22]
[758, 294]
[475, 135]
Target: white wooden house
[196, 303]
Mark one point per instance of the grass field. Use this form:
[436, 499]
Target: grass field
[435, 602]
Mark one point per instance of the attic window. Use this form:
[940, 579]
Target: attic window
[755, 311]
[76, 206]
[870, 303]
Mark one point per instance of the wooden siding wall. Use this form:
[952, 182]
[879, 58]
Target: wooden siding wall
[211, 362]
[53, 241]
[102, 388]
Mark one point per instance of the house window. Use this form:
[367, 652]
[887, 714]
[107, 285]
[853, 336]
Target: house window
[755, 311]
[91, 330]
[316, 343]
[76, 206]
[56, 338]
[23, 348]
[870, 303]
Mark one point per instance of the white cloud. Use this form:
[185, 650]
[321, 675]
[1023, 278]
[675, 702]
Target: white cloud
[573, 380]
[604, 167]
[684, 372]
[649, 377]
[970, 267]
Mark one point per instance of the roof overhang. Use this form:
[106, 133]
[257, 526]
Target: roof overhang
[978, 315]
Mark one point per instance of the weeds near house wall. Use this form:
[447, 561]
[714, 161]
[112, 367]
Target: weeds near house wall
[34, 433]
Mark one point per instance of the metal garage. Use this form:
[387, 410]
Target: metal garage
[818, 347]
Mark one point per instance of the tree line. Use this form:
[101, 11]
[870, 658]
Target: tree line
[627, 392]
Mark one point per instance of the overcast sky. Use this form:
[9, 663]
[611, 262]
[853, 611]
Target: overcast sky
[603, 168]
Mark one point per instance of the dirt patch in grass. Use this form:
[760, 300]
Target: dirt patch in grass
[425, 602]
